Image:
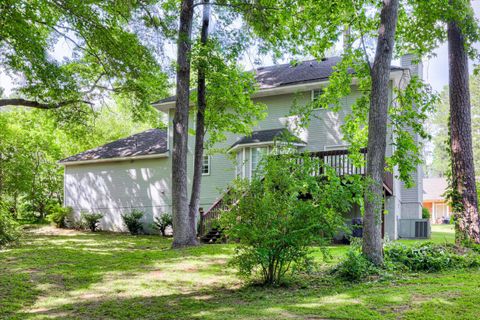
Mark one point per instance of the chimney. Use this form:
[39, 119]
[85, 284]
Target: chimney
[410, 61]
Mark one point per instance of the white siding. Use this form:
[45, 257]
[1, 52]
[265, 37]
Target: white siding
[118, 187]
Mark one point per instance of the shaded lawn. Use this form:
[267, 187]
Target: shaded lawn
[109, 276]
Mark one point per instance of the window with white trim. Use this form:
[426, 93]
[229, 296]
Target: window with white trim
[316, 93]
[256, 155]
[206, 165]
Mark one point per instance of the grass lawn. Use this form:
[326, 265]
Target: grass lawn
[74, 275]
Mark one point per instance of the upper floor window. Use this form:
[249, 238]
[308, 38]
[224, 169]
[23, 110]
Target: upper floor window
[316, 93]
[206, 165]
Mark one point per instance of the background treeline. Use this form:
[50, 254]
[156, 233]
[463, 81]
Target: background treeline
[32, 141]
[438, 159]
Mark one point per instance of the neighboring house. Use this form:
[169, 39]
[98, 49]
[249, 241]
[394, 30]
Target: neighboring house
[434, 199]
[136, 172]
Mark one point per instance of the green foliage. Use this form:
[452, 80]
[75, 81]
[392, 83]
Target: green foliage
[282, 211]
[77, 224]
[92, 219]
[105, 55]
[407, 116]
[9, 231]
[229, 91]
[401, 258]
[58, 215]
[438, 125]
[32, 143]
[425, 213]
[429, 257]
[162, 222]
[132, 221]
[422, 25]
[355, 266]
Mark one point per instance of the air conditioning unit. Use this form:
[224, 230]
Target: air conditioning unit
[414, 228]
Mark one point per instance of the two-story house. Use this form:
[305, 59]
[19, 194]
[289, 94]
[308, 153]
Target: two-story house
[135, 172]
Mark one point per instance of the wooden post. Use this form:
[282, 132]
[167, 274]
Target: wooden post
[201, 229]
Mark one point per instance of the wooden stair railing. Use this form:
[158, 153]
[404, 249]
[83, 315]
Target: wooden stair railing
[337, 159]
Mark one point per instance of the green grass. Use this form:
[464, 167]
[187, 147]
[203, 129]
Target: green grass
[109, 276]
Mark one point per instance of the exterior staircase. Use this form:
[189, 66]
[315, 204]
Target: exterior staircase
[213, 236]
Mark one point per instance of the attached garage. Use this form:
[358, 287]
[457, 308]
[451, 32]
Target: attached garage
[131, 173]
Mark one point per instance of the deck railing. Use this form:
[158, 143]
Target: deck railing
[336, 159]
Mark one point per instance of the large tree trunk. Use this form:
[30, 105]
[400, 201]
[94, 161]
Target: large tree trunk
[463, 170]
[184, 233]
[377, 133]
[200, 123]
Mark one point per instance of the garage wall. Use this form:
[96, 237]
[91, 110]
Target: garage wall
[117, 187]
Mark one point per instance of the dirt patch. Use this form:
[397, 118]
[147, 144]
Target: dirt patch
[52, 231]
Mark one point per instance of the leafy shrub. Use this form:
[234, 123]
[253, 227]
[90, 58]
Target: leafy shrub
[58, 215]
[355, 266]
[429, 257]
[132, 221]
[9, 231]
[163, 222]
[92, 220]
[77, 224]
[425, 213]
[276, 217]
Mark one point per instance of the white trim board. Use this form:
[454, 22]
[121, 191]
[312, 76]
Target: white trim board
[118, 159]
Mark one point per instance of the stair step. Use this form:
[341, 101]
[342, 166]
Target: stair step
[212, 236]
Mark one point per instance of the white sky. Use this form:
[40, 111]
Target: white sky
[435, 69]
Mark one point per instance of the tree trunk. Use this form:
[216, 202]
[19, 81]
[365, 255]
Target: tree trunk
[377, 133]
[463, 170]
[200, 123]
[183, 227]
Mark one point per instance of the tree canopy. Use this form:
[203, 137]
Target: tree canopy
[104, 56]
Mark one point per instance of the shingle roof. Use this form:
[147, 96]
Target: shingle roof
[150, 142]
[267, 136]
[434, 188]
[288, 74]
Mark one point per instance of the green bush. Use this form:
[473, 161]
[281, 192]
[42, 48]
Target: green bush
[132, 221]
[9, 231]
[278, 215]
[419, 257]
[355, 267]
[425, 213]
[77, 224]
[429, 257]
[92, 220]
[162, 222]
[58, 215]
